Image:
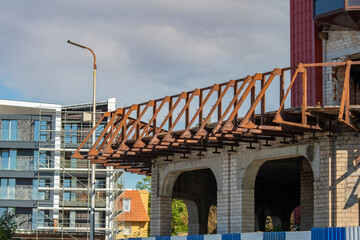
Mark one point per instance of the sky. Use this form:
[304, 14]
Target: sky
[145, 49]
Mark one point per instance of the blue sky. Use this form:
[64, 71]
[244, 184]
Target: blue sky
[130, 180]
[145, 49]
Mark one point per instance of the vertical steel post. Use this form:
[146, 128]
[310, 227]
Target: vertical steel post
[93, 166]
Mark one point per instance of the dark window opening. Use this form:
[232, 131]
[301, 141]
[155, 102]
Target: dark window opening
[355, 84]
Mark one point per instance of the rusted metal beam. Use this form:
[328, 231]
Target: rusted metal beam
[133, 142]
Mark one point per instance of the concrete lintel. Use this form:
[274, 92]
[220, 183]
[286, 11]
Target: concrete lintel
[170, 172]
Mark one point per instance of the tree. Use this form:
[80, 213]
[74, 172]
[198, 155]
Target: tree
[8, 225]
[144, 184]
[179, 220]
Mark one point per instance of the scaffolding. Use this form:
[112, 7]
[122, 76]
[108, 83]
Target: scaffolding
[63, 184]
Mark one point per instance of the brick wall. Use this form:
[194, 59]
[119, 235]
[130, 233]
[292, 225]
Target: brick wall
[339, 45]
[336, 192]
[229, 199]
[306, 196]
[330, 183]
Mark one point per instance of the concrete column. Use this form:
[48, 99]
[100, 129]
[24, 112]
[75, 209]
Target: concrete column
[203, 206]
[229, 199]
[248, 210]
[306, 196]
[160, 224]
[193, 217]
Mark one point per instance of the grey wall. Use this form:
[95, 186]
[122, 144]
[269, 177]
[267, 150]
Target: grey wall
[24, 189]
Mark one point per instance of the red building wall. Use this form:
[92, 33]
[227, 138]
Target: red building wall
[305, 47]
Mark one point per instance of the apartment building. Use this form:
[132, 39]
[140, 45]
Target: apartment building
[49, 190]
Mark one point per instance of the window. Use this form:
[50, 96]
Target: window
[69, 195]
[126, 205]
[98, 132]
[9, 130]
[71, 133]
[43, 218]
[40, 159]
[41, 194]
[35, 189]
[5, 210]
[7, 188]
[127, 229]
[40, 132]
[100, 183]
[8, 159]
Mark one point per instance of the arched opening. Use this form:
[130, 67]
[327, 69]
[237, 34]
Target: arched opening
[198, 190]
[280, 187]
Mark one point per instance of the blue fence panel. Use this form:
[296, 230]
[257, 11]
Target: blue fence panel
[231, 236]
[163, 238]
[318, 234]
[328, 234]
[274, 235]
[195, 237]
[352, 233]
[335, 233]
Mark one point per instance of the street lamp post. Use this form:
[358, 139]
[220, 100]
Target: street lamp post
[93, 166]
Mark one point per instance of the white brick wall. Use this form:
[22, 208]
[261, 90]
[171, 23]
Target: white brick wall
[339, 45]
[336, 183]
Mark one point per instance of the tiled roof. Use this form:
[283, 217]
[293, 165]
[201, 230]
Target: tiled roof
[138, 210]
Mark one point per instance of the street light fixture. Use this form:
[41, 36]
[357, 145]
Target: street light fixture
[93, 166]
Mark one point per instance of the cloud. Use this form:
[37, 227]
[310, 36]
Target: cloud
[145, 49]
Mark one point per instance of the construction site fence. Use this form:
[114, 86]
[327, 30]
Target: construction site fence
[339, 233]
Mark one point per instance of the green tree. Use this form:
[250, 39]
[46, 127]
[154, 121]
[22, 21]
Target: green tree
[179, 219]
[8, 225]
[144, 184]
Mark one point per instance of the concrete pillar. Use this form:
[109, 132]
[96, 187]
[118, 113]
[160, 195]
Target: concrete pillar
[248, 212]
[160, 224]
[229, 199]
[203, 206]
[193, 217]
[306, 196]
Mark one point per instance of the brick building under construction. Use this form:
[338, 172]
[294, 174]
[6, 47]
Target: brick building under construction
[257, 146]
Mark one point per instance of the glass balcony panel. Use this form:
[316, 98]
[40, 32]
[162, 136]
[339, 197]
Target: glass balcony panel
[324, 6]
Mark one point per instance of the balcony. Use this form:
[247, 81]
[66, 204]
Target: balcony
[337, 14]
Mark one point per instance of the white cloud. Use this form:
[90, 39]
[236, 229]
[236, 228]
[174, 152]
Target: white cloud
[145, 49]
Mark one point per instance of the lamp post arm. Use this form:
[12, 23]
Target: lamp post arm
[93, 55]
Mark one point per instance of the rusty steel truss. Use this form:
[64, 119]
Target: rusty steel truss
[185, 122]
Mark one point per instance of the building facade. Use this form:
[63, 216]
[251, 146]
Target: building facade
[47, 188]
[134, 205]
